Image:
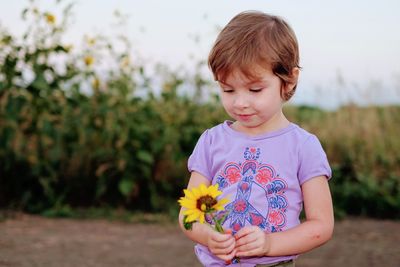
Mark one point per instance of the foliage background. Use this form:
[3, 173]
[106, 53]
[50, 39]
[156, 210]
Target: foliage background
[94, 127]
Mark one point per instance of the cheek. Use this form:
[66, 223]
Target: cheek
[269, 99]
[226, 102]
[261, 103]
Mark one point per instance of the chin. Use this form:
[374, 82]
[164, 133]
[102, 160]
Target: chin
[249, 125]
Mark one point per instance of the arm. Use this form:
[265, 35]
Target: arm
[315, 231]
[222, 245]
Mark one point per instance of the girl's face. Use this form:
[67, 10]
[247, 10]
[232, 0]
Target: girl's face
[256, 105]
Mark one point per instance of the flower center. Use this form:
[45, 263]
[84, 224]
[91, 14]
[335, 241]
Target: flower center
[205, 203]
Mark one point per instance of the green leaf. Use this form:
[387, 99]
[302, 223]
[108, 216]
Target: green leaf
[60, 48]
[187, 225]
[145, 156]
[6, 39]
[125, 186]
[40, 83]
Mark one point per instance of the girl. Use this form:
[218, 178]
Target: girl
[267, 166]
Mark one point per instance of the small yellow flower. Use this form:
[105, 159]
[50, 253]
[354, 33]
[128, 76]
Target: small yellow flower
[96, 83]
[201, 200]
[125, 62]
[90, 41]
[88, 60]
[50, 18]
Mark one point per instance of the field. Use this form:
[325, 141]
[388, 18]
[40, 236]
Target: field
[96, 126]
[29, 241]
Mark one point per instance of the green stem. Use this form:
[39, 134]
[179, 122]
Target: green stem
[218, 225]
[219, 229]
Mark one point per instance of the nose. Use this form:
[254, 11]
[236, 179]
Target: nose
[241, 101]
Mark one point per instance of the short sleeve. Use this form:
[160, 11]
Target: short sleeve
[199, 160]
[312, 160]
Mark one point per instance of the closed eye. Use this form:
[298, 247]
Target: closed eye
[255, 90]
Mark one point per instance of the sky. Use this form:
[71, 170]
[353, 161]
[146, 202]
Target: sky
[349, 50]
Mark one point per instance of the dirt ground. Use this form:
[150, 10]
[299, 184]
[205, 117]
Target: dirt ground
[30, 241]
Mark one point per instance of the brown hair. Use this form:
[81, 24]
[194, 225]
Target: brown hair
[253, 37]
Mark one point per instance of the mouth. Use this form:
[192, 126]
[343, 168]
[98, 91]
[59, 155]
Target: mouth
[245, 117]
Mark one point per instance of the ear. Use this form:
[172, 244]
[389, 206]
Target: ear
[294, 77]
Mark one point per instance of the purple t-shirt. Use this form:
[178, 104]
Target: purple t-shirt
[261, 176]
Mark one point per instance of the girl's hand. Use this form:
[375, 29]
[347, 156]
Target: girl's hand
[222, 245]
[251, 241]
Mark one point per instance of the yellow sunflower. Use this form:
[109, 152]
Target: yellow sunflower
[201, 200]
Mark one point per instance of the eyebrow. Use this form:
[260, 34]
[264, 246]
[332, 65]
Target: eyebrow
[247, 84]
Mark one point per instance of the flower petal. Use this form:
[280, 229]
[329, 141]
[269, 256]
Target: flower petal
[187, 203]
[193, 217]
[190, 212]
[203, 190]
[213, 191]
[220, 204]
[196, 192]
[201, 219]
[189, 194]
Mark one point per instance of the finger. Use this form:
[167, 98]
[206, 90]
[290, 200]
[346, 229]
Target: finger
[221, 253]
[232, 255]
[227, 257]
[228, 231]
[225, 244]
[245, 247]
[249, 253]
[220, 237]
[243, 232]
[248, 239]
[224, 248]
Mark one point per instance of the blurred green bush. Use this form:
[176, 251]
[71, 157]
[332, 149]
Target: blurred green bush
[85, 128]
[362, 145]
